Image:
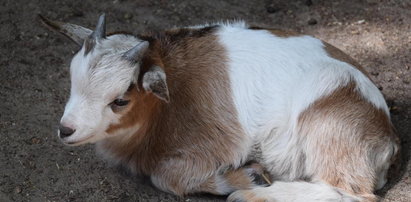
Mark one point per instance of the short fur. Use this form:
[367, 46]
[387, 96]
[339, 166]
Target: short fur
[205, 100]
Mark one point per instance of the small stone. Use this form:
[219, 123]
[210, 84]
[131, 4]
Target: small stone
[35, 140]
[272, 8]
[308, 2]
[395, 109]
[128, 16]
[312, 21]
[32, 164]
[355, 32]
[17, 190]
[406, 81]
[375, 73]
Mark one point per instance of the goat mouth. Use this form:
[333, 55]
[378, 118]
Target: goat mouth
[75, 143]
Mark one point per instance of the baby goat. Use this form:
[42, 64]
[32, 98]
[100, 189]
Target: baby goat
[189, 107]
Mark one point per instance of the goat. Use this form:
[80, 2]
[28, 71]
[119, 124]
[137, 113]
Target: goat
[190, 107]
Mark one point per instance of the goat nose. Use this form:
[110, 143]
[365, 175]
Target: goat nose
[65, 131]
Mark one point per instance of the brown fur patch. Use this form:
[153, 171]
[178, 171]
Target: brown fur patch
[348, 133]
[340, 55]
[278, 32]
[239, 179]
[182, 142]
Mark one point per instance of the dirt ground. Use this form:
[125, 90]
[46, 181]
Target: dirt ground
[34, 64]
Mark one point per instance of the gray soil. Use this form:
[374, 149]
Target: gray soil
[34, 64]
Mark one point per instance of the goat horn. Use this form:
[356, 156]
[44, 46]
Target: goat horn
[100, 31]
[136, 53]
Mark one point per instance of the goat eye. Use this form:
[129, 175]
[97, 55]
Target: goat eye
[120, 102]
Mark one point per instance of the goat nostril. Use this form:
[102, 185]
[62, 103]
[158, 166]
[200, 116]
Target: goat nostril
[65, 131]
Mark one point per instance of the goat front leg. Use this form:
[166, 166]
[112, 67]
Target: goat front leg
[229, 180]
[246, 177]
[221, 182]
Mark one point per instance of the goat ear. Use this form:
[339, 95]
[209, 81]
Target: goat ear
[154, 81]
[74, 32]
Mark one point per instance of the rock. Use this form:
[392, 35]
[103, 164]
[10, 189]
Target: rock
[35, 140]
[312, 21]
[395, 110]
[375, 73]
[128, 16]
[17, 190]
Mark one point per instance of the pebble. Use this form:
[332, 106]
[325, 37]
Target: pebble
[395, 109]
[17, 190]
[355, 32]
[128, 16]
[35, 140]
[32, 164]
[375, 73]
[308, 2]
[312, 21]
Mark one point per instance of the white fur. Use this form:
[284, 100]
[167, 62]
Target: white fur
[93, 89]
[273, 80]
[297, 192]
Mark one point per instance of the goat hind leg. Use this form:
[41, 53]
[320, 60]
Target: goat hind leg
[298, 191]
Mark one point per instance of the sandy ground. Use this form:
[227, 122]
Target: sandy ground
[35, 166]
